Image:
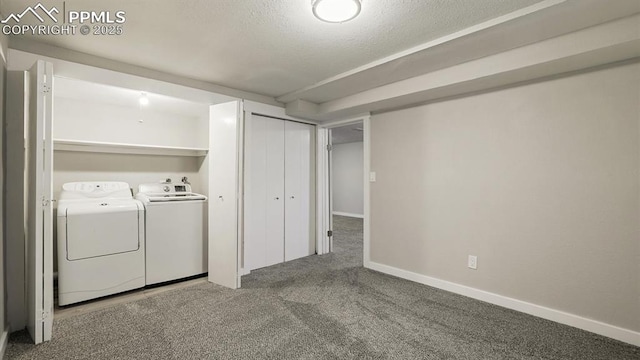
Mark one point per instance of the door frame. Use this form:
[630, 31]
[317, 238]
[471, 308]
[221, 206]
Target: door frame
[324, 192]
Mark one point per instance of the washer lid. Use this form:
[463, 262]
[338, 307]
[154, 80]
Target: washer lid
[164, 197]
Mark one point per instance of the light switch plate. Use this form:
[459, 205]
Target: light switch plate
[473, 262]
[372, 176]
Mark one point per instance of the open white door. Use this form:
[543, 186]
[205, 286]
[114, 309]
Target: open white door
[225, 154]
[323, 208]
[40, 193]
[330, 188]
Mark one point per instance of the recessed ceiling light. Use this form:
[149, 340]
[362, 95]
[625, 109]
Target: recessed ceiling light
[336, 11]
[144, 99]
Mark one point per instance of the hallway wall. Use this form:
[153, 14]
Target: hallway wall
[347, 173]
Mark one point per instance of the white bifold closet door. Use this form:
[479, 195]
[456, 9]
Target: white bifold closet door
[278, 191]
[264, 192]
[297, 222]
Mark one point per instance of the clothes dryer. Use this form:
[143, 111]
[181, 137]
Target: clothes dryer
[100, 241]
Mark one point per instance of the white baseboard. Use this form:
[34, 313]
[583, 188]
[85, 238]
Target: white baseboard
[594, 326]
[340, 213]
[4, 340]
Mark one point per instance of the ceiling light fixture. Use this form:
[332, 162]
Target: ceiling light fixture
[144, 99]
[336, 11]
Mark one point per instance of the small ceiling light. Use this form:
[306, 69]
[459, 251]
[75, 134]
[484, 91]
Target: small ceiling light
[144, 99]
[336, 11]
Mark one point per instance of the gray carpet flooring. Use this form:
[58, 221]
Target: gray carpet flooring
[319, 307]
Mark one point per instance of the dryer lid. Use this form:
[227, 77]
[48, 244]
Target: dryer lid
[96, 190]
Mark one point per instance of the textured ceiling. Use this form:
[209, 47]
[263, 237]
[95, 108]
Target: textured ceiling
[270, 47]
[347, 134]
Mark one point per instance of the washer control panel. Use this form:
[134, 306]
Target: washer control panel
[164, 188]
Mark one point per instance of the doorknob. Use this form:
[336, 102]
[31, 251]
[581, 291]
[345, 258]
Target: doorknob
[293, 197]
[221, 198]
[277, 198]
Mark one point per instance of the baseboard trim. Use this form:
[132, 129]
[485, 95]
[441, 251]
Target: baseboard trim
[594, 326]
[4, 341]
[340, 213]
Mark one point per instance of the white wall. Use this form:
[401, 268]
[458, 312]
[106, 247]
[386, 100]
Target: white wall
[347, 179]
[100, 121]
[541, 182]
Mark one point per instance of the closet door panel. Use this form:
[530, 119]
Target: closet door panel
[255, 192]
[264, 182]
[298, 187]
[274, 250]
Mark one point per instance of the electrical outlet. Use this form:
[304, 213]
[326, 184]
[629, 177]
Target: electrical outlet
[472, 263]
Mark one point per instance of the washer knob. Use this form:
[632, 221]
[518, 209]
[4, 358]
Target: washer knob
[166, 188]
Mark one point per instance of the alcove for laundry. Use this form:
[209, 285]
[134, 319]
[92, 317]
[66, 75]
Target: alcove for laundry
[89, 126]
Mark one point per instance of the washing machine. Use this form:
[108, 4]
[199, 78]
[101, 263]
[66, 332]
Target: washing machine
[100, 241]
[175, 230]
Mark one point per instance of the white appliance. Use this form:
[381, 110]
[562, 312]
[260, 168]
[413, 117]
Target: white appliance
[176, 244]
[100, 241]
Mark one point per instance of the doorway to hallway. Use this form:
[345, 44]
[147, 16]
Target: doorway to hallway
[346, 169]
